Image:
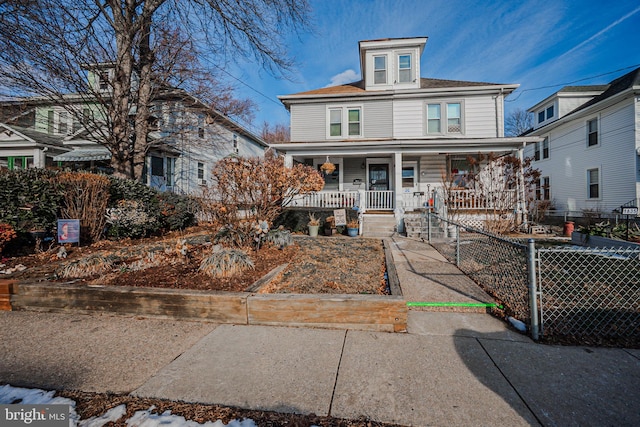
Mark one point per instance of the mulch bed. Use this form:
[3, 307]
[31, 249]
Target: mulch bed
[324, 265]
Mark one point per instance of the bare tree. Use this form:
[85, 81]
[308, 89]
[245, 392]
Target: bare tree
[276, 133]
[47, 47]
[518, 122]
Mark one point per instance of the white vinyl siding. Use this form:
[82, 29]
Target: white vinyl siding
[480, 117]
[615, 158]
[308, 122]
[379, 119]
[408, 118]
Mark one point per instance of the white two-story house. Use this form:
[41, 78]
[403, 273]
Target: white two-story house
[188, 137]
[589, 157]
[393, 135]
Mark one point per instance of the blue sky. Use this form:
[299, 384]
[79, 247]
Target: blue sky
[541, 45]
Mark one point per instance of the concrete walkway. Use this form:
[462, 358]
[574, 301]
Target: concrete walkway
[449, 369]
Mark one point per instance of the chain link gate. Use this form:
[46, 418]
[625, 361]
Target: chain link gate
[590, 295]
[579, 295]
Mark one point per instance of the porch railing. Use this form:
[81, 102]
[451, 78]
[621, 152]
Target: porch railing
[380, 200]
[328, 199]
[461, 200]
[473, 200]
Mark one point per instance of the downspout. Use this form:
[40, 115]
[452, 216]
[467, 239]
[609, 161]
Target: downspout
[499, 114]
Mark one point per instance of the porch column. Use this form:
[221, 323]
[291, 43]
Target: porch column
[397, 189]
[288, 160]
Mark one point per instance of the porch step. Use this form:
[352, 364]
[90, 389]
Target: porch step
[378, 225]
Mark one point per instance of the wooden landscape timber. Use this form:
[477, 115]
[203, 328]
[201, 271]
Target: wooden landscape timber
[363, 312]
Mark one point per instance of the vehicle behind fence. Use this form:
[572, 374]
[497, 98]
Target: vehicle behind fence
[570, 294]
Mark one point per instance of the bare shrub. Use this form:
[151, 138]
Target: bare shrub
[85, 267]
[85, 197]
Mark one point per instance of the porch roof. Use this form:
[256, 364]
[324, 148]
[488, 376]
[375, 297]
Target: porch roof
[409, 146]
[84, 155]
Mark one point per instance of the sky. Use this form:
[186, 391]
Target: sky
[540, 45]
[145, 418]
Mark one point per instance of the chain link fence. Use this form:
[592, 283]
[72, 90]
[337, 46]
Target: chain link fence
[591, 296]
[497, 264]
[583, 295]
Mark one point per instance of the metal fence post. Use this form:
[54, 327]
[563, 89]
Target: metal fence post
[457, 245]
[533, 301]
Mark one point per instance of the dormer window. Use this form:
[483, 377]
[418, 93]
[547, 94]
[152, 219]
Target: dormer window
[545, 114]
[405, 74]
[380, 69]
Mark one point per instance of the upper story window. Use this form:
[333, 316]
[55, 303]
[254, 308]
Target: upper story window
[235, 144]
[405, 73]
[453, 119]
[380, 69]
[541, 150]
[352, 116]
[546, 114]
[592, 132]
[593, 183]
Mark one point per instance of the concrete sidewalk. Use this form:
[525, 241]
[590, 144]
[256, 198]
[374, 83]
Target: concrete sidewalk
[449, 369]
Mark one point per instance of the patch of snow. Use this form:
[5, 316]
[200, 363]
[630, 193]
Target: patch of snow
[16, 395]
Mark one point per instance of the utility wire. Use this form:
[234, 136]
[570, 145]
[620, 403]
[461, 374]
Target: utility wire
[570, 83]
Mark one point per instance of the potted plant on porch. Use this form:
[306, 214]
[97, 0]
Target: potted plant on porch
[314, 224]
[352, 227]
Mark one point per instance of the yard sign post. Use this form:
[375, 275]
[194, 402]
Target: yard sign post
[629, 210]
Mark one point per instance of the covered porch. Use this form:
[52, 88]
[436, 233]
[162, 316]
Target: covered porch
[404, 175]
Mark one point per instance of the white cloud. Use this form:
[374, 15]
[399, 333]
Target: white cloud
[347, 76]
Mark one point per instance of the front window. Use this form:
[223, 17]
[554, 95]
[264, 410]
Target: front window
[171, 167]
[380, 69]
[404, 69]
[593, 183]
[451, 123]
[201, 179]
[62, 122]
[351, 117]
[454, 118]
[543, 188]
[408, 176]
[592, 132]
[461, 172]
[50, 121]
[433, 118]
[354, 122]
[335, 122]
[332, 180]
[236, 149]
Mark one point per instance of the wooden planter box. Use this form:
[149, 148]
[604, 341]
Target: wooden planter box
[363, 312]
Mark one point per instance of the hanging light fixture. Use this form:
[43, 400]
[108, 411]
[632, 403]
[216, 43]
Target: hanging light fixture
[327, 167]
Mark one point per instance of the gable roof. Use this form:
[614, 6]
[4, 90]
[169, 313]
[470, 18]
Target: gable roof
[628, 81]
[34, 136]
[425, 83]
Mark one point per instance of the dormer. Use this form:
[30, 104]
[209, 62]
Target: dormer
[100, 76]
[390, 64]
[563, 102]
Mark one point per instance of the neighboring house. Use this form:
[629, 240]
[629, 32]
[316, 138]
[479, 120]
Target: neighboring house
[187, 139]
[392, 135]
[589, 157]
